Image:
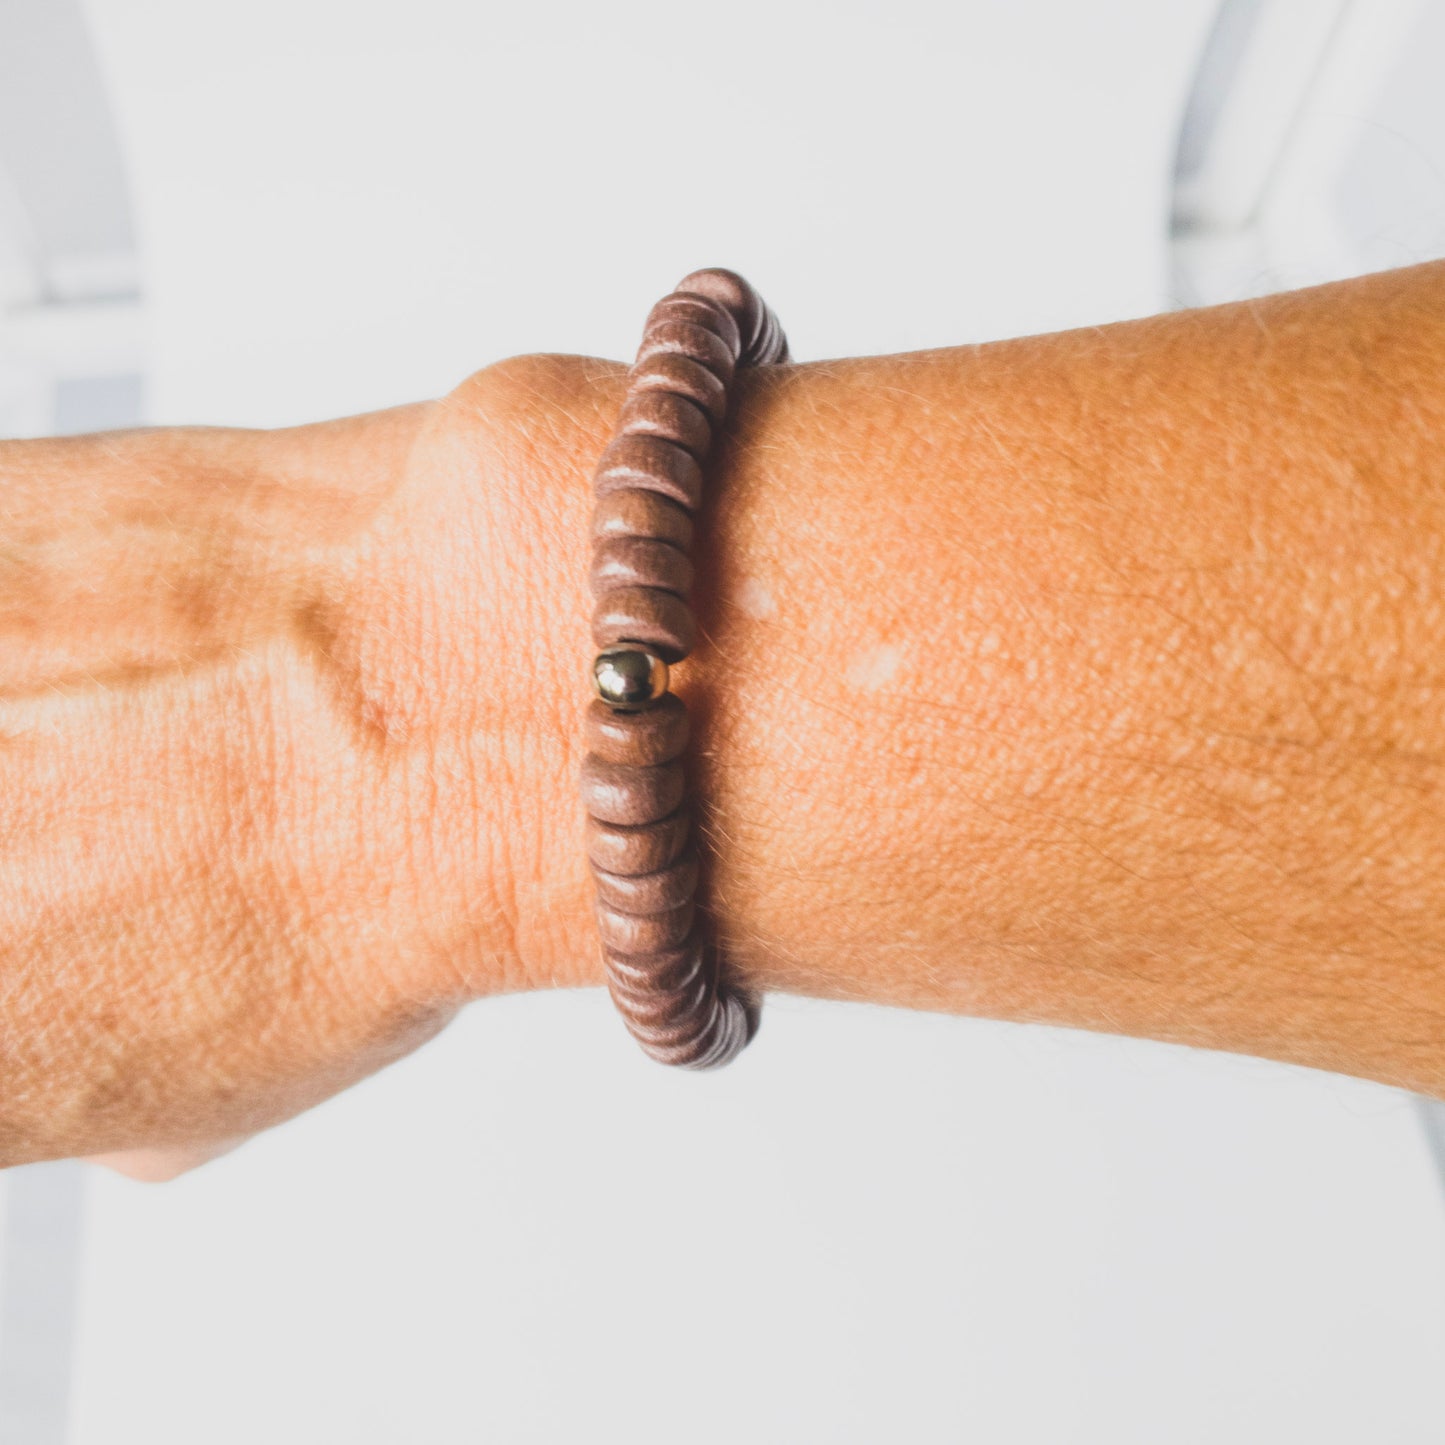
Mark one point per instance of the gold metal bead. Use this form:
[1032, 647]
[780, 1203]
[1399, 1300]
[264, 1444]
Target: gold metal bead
[628, 676]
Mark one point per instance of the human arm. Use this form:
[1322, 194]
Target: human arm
[1087, 678]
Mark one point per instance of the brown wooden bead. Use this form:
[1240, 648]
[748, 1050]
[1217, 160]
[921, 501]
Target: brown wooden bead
[776, 350]
[645, 614]
[673, 1006]
[681, 1039]
[634, 512]
[687, 1042]
[738, 296]
[763, 341]
[639, 562]
[670, 971]
[655, 734]
[652, 464]
[644, 933]
[658, 892]
[653, 1008]
[631, 848]
[735, 1031]
[690, 339]
[669, 416]
[771, 347]
[616, 793]
[752, 1012]
[634, 978]
[723, 1044]
[671, 371]
[699, 310]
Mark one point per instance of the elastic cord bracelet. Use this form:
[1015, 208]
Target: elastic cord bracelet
[664, 975]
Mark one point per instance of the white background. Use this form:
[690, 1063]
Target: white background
[900, 1227]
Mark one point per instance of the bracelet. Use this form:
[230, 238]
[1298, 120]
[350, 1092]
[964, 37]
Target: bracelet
[663, 975]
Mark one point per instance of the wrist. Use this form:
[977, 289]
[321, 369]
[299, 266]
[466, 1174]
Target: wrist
[797, 687]
[463, 654]
[791, 688]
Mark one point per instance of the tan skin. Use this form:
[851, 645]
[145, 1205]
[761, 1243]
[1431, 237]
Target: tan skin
[1092, 678]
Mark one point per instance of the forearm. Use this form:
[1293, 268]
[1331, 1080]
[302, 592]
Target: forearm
[1111, 664]
[1093, 679]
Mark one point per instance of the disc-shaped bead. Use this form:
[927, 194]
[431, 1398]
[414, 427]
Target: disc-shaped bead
[637, 513]
[616, 793]
[690, 339]
[658, 892]
[698, 310]
[639, 562]
[669, 416]
[642, 739]
[634, 848]
[672, 371]
[645, 614]
[636, 978]
[644, 933]
[656, 1011]
[689, 1040]
[735, 1028]
[653, 464]
[729, 290]
[668, 972]
[771, 346]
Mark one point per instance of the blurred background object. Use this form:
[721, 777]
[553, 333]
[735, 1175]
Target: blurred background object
[69, 274]
[1311, 146]
[920, 1228]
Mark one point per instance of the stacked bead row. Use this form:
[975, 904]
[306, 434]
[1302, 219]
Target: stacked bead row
[662, 975]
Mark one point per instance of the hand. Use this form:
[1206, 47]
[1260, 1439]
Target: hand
[290, 727]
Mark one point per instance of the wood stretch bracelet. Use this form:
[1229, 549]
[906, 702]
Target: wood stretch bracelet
[663, 973]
